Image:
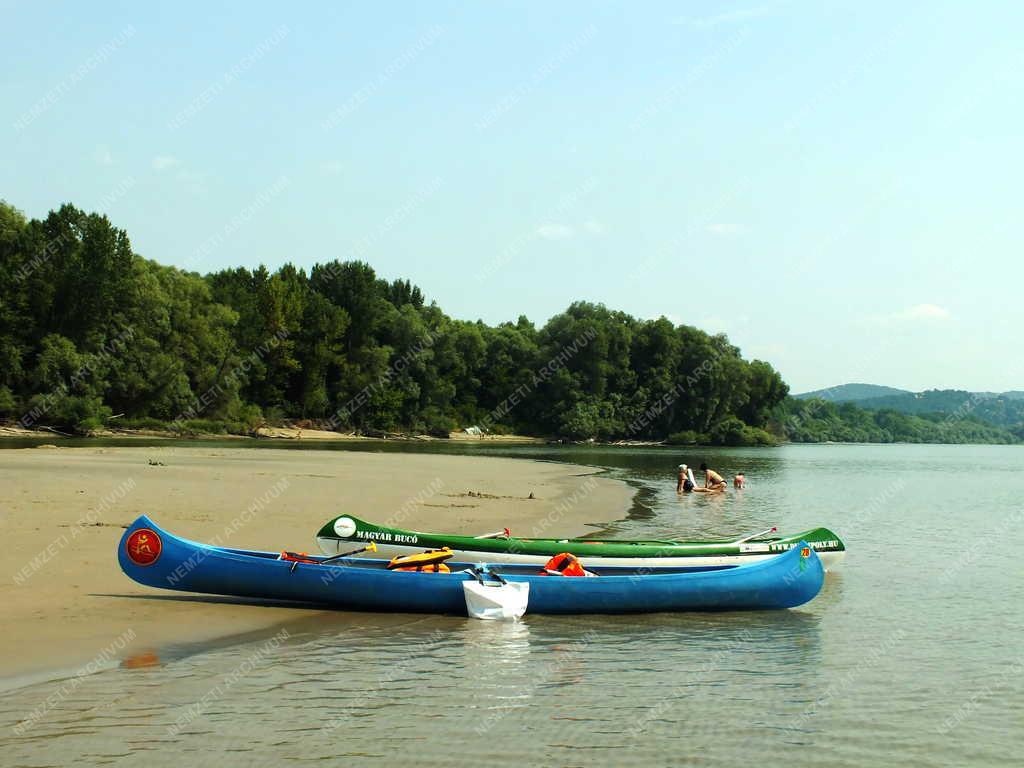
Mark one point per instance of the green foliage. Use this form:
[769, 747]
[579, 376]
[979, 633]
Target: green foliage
[82, 414]
[732, 431]
[202, 427]
[816, 421]
[729, 431]
[1003, 410]
[851, 393]
[89, 329]
[90, 425]
[145, 422]
[758, 436]
[8, 405]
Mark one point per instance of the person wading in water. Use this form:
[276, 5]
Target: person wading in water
[685, 483]
[712, 480]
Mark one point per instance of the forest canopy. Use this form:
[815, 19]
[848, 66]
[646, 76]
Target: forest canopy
[90, 332]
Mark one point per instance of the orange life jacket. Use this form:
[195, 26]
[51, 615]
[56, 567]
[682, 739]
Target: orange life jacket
[431, 561]
[297, 557]
[566, 564]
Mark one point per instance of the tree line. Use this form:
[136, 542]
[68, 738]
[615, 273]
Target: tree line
[818, 421]
[93, 335]
[1001, 409]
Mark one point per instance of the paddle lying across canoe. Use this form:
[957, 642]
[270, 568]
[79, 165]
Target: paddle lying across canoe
[156, 558]
[342, 532]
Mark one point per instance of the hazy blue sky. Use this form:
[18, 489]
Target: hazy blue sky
[834, 185]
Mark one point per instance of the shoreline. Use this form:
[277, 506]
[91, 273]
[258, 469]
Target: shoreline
[264, 433]
[296, 434]
[66, 599]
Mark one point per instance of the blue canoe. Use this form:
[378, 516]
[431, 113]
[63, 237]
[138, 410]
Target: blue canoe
[156, 558]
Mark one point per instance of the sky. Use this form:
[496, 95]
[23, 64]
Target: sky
[834, 185]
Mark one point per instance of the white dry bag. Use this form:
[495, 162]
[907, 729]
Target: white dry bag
[496, 600]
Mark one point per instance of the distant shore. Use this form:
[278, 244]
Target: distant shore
[65, 597]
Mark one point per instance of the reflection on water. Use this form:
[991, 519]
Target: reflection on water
[362, 687]
[910, 656]
[140, 660]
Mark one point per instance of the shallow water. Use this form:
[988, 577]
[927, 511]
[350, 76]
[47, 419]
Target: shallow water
[911, 655]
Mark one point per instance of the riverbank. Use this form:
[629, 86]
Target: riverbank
[287, 432]
[65, 599]
[300, 434]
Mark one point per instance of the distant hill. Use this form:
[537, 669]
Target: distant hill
[849, 393]
[1004, 409]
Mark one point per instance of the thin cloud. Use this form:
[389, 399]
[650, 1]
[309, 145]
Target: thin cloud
[918, 313]
[727, 325]
[928, 311]
[594, 227]
[924, 312]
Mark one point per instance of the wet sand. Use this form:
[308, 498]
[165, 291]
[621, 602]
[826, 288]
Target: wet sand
[66, 602]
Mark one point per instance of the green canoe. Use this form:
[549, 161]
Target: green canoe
[347, 532]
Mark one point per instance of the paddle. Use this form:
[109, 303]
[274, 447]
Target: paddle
[504, 533]
[773, 529]
[371, 547]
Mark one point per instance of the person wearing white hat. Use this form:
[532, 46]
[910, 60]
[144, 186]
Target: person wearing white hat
[686, 483]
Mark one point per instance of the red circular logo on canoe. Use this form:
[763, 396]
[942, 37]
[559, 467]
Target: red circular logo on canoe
[143, 546]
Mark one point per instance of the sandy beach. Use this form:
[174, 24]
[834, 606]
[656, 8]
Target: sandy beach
[65, 599]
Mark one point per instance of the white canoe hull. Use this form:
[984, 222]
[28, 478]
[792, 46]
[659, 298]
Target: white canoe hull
[329, 546]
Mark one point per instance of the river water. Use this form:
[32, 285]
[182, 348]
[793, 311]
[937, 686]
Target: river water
[911, 655]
